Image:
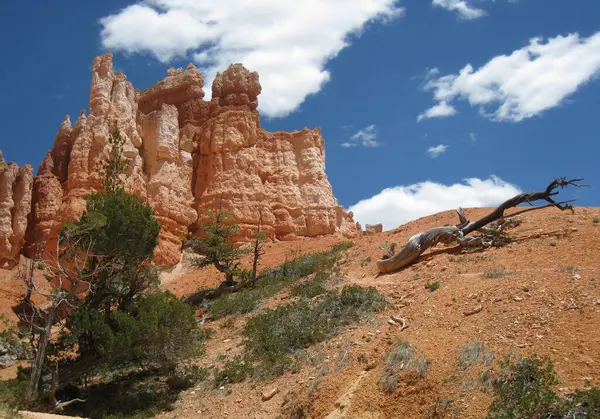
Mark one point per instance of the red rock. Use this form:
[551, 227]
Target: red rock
[186, 154]
[15, 205]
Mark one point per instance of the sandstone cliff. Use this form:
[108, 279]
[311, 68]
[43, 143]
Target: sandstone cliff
[186, 155]
[15, 205]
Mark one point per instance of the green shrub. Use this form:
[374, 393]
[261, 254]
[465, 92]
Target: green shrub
[497, 273]
[12, 392]
[272, 280]
[275, 334]
[9, 412]
[312, 288]
[139, 394]
[572, 269]
[402, 359]
[524, 389]
[472, 353]
[432, 286]
[158, 331]
[236, 370]
[583, 404]
[186, 376]
[597, 220]
[236, 303]
[341, 246]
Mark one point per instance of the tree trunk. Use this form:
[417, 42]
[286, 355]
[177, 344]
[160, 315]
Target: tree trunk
[40, 353]
[419, 243]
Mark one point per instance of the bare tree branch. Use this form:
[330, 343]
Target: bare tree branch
[419, 243]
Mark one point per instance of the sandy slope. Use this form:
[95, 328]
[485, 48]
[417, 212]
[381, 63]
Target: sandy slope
[539, 307]
[547, 303]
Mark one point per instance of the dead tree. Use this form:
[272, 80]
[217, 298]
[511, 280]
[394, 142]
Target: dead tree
[69, 282]
[419, 243]
[257, 249]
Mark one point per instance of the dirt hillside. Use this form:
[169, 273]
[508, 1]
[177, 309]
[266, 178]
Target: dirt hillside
[538, 295]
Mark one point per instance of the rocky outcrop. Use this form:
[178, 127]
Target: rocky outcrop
[15, 205]
[186, 156]
[373, 228]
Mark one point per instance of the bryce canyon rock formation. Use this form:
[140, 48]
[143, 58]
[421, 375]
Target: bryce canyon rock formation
[15, 205]
[186, 156]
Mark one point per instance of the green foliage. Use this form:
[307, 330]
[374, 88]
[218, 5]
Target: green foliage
[117, 234]
[597, 220]
[305, 265]
[236, 370]
[524, 389]
[116, 165]
[272, 280]
[572, 269]
[10, 339]
[137, 395]
[13, 391]
[583, 404]
[311, 288]
[117, 226]
[158, 331]
[216, 247]
[402, 360]
[497, 273]
[8, 412]
[236, 303]
[274, 334]
[185, 377]
[432, 286]
[339, 247]
[472, 353]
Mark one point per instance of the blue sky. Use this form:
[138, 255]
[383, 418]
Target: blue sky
[413, 97]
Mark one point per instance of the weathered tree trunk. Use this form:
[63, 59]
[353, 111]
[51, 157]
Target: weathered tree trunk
[419, 243]
[40, 353]
[257, 250]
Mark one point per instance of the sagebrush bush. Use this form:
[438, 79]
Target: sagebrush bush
[236, 370]
[272, 280]
[402, 359]
[525, 390]
[158, 331]
[237, 303]
[275, 334]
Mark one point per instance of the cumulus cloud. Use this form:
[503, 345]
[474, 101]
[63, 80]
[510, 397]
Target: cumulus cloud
[398, 205]
[523, 84]
[437, 150]
[365, 137]
[287, 42]
[440, 110]
[464, 9]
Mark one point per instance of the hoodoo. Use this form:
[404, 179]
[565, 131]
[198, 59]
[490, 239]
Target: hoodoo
[186, 155]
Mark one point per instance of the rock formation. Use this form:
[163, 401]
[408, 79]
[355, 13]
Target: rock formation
[373, 228]
[15, 205]
[186, 156]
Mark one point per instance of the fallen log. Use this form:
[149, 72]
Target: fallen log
[419, 243]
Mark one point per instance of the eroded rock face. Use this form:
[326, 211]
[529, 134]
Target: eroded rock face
[186, 156]
[15, 205]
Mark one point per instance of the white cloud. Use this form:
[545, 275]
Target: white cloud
[462, 7]
[440, 110]
[288, 43]
[473, 136]
[398, 205]
[365, 137]
[437, 150]
[523, 84]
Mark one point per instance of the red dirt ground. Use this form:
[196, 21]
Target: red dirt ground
[547, 303]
